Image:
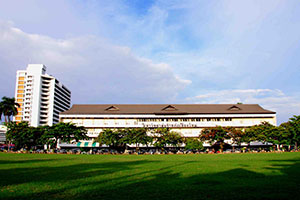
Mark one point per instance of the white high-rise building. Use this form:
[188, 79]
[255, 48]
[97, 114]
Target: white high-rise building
[41, 96]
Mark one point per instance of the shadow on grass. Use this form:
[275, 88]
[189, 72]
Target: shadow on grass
[157, 182]
[63, 173]
[27, 161]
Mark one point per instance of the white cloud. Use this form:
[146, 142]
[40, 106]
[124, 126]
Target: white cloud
[285, 105]
[95, 70]
[236, 44]
[215, 44]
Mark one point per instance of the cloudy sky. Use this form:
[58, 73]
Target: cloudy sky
[147, 51]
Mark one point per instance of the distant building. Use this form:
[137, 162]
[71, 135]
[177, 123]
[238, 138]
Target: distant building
[41, 96]
[3, 130]
[187, 119]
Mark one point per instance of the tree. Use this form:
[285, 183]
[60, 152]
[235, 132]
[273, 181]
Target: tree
[292, 129]
[141, 136]
[249, 136]
[284, 136]
[113, 138]
[23, 136]
[136, 136]
[214, 135]
[287, 135]
[163, 137]
[1, 110]
[8, 107]
[127, 137]
[63, 132]
[173, 139]
[266, 132]
[237, 135]
[193, 144]
[259, 132]
[276, 136]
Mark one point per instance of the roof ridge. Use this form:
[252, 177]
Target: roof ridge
[158, 108]
[168, 104]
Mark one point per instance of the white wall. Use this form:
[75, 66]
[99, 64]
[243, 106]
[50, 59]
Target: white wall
[35, 70]
[51, 102]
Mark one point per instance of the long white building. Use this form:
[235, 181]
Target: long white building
[41, 96]
[187, 119]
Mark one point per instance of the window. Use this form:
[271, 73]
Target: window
[18, 118]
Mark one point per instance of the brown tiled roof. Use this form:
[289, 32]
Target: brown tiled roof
[162, 109]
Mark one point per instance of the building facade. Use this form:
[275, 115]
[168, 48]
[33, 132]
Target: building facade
[187, 119]
[3, 130]
[41, 96]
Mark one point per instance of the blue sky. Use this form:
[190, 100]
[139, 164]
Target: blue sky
[135, 51]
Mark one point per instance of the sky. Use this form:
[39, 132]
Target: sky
[159, 51]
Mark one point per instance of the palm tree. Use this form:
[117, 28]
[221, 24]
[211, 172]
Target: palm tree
[8, 107]
[1, 110]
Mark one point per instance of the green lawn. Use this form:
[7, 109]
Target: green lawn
[229, 176]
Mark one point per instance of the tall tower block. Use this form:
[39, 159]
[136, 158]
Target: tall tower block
[41, 96]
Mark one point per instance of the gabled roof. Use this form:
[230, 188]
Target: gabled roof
[234, 108]
[169, 108]
[112, 108]
[165, 109]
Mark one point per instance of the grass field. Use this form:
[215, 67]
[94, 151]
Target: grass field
[229, 176]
